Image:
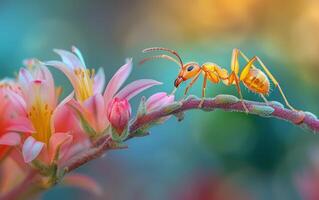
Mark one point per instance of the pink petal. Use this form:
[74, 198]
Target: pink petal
[95, 105]
[79, 54]
[42, 89]
[24, 77]
[66, 70]
[65, 100]
[117, 81]
[136, 87]
[56, 142]
[45, 74]
[99, 81]
[69, 59]
[84, 182]
[59, 107]
[31, 149]
[18, 102]
[20, 124]
[10, 139]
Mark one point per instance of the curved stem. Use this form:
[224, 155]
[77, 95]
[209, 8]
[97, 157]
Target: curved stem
[230, 103]
[225, 102]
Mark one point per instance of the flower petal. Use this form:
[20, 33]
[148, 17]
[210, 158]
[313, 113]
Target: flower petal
[20, 124]
[24, 77]
[41, 89]
[99, 81]
[79, 55]
[69, 59]
[65, 100]
[66, 70]
[136, 87]
[83, 182]
[117, 81]
[57, 140]
[96, 107]
[45, 74]
[10, 139]
[31, 149]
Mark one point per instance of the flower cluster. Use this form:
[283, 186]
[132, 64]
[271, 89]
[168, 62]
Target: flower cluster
[38, 131]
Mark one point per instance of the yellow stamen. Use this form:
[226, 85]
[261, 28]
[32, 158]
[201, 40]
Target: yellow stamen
[85, 81]
[40, 115]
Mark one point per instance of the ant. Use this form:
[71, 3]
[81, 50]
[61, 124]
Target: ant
[252, 77]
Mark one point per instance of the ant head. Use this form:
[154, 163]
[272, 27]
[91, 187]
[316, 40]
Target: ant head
[189, 70]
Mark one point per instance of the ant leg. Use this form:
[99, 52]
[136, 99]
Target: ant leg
[246, 69]
[191, 83]
[234, 61]
[264, 98]
[239, 92]
[275, 82]
[203, 91]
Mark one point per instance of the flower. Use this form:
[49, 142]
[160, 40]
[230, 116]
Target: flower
[84, 81]
[90, 103]
[41, 105]
[119, 113]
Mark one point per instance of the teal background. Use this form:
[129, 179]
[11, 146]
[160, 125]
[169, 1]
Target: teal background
[215, 155]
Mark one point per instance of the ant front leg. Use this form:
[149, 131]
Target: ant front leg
[191, 84]
[203, 91]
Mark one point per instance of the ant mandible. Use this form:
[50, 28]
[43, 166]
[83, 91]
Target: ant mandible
[253, 78]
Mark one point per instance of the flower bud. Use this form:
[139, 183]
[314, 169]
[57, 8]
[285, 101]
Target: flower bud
[158, 100]
[119, 113]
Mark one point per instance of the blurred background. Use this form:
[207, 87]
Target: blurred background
[208, 156]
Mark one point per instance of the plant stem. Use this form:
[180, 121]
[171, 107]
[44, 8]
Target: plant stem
[224, 102]
[303, 119]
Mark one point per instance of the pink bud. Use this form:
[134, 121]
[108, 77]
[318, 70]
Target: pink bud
[119, 113]
[158, 101]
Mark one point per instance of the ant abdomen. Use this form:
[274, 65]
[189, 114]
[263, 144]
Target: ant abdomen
[257, 81]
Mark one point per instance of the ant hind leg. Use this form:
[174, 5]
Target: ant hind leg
[272, 78]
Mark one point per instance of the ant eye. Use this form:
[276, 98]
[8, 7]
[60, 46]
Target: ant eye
[190, 68]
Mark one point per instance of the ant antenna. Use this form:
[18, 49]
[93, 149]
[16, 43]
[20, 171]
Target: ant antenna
[159, 56]
[165, 49]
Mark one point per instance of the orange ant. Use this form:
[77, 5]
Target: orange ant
[253, 78]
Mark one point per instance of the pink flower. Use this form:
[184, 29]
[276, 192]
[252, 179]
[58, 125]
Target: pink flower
[90, 102]
[84, 81]
[41, 106]
[158, 100]
[119, 113]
